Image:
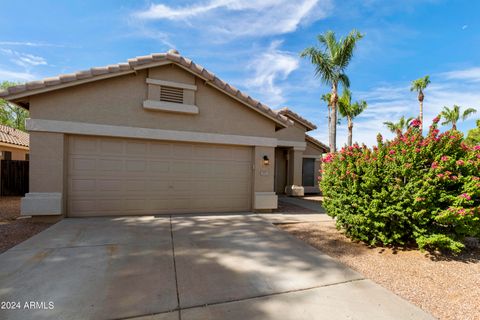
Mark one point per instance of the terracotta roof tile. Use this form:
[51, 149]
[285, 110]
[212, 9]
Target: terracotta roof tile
[295, 116]
[171, 55]
[13, 136]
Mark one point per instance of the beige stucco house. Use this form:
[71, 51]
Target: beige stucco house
[14, 144]
[159, 134]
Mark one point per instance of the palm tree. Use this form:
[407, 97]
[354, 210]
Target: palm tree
[453, 115]
[330, 62]
[350, 110]
[419, 86]
[398, 127]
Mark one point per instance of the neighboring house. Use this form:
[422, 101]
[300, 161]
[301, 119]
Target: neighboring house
[159, 134]
[13, 144]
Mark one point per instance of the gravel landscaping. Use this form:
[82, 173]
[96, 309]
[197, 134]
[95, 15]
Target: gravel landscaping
[446, 286]
[14, 229]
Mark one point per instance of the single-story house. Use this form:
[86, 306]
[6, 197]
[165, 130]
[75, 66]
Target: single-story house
[159, 134]
[13, 144]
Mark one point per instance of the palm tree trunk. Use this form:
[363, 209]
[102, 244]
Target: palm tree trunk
[333, 119]
[350, 131]
[421, 116]
[454, 125]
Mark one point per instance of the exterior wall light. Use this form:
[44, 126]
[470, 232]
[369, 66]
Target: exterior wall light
[266, 161]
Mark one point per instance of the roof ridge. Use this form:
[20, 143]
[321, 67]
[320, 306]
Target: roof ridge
[289, 113]
[141, 62]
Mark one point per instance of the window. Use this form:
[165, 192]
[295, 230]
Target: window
[27, 156]
[7, 155]
[308, 172]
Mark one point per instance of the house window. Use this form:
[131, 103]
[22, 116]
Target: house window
[308, 172]
[7, 155]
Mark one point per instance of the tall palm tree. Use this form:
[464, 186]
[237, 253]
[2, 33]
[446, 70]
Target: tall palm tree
[453, 115]
[350, 110]
[400, 126]
[330, 62]
[419, 86]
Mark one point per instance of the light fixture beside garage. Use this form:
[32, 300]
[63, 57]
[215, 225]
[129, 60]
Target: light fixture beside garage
[266, 161]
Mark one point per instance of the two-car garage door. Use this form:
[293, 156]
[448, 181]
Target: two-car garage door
[113, 176]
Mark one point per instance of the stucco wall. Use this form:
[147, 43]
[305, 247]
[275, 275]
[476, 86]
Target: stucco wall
[47, 162]
[118, 101]
[292, 133]
[17, 154]
[312, 150]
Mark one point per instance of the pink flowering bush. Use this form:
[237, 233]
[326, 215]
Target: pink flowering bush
[411, 189]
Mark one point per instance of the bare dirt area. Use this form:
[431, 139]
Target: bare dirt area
[13, 229]
[446, 286]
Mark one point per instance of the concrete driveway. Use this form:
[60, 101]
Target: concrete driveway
[193, 267]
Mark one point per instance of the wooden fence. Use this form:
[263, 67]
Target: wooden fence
[13, 177]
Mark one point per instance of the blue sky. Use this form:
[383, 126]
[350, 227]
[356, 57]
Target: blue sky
[255, 46]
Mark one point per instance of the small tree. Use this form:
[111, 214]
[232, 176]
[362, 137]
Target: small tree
[11, 115]
[350, 110]
[400, 126]
[473, 137]
[452, 116]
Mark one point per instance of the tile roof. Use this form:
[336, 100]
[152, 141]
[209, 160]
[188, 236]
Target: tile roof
[295, 116]
[97, 73]
[317, 142]
[13, 136]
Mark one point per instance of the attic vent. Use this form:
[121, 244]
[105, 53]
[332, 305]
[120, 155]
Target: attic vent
[171, 94]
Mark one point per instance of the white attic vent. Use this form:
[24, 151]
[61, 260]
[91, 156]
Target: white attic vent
[171, 94]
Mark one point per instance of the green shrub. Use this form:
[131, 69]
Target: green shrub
[411, 189]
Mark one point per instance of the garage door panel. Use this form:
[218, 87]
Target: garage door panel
[109, 185]
[182, 151]
[111, 147]
[158, 167]
[160, 150]
[136, 165]
[136, 185]
[110, 176]
[136, 149]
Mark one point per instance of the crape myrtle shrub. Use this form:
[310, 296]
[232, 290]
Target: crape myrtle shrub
[411, 189]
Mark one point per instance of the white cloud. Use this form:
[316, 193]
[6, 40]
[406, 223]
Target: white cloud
[233, 18]
[15, 76]
[471, 74]
[29, 44]
[24, 59]
[269, 68]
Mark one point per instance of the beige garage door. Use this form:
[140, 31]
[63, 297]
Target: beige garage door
[110, 176]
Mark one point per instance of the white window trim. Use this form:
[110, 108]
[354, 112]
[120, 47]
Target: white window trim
[170, 107]
[171, 84]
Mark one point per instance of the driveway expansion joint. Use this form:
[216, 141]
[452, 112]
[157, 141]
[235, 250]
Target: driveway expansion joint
[175, 269]
[273, 294]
